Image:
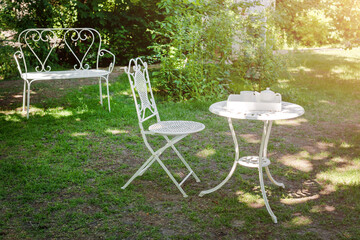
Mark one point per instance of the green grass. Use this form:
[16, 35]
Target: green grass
[61, 171]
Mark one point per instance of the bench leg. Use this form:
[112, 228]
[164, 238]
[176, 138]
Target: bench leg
[24, 97]
[28, 100]
[101, 100]
[107, 88]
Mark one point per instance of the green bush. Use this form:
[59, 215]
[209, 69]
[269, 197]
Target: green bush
[121, 23]
[318, 23]
[8, 68]
[195, 43]
[191, 51]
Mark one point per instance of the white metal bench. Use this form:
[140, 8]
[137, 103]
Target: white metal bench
[82, 46]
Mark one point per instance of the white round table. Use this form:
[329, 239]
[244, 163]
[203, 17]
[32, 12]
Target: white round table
[289, 110]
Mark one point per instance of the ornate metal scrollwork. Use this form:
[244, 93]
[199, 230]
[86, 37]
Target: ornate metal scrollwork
[40, 35]
[77, 35]
[67, 37]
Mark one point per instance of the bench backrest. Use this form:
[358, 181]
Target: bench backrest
[40, 48]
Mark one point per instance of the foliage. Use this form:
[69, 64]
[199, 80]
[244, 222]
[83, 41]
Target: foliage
[19, 15]
[317, 23]
[195, 43]
[122, 23]
[346, 17]
[186, 43]
[8, 68]
[313, 28]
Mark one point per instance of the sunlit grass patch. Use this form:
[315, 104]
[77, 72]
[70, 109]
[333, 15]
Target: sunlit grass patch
[299, 200]
[299, 161]
[322, 209]
[348, 173]
[59, 112]
[299, 69]
[346, 145]
[79, 134]
[116, 131]
[301, 221]
[12, 117]
[252, 200]
[292, 122]
[206, 153]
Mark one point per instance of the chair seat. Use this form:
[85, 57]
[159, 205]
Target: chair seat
[176, 127]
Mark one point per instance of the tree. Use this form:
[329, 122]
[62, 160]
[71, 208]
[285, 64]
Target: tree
[310, 23]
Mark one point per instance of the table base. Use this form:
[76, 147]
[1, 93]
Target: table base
[252, 162]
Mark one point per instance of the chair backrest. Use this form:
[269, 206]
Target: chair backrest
[138, 75]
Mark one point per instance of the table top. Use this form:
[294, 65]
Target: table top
[289, 110]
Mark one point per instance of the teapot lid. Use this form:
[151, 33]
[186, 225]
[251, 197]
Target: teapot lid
[267, 90]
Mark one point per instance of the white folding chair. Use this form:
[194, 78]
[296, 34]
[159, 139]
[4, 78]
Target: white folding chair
[138, 75]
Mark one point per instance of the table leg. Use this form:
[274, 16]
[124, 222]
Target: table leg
[265, 156]
[262, 155]
[202, 193]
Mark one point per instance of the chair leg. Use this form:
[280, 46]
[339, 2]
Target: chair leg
[141, 170]
[171, 177]
[155, 157]
[150, 160]
[147, 166]
[183, 160]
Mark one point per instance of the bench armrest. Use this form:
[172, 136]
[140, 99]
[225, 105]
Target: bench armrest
[19, 55]
[102, 53]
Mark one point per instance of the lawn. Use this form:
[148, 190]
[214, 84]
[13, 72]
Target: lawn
[61, 171]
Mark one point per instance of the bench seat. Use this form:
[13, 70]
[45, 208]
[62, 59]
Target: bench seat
[78, 46]
[93, 73]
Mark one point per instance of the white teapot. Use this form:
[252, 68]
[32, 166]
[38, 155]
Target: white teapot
[268, 96]
[248, 96]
